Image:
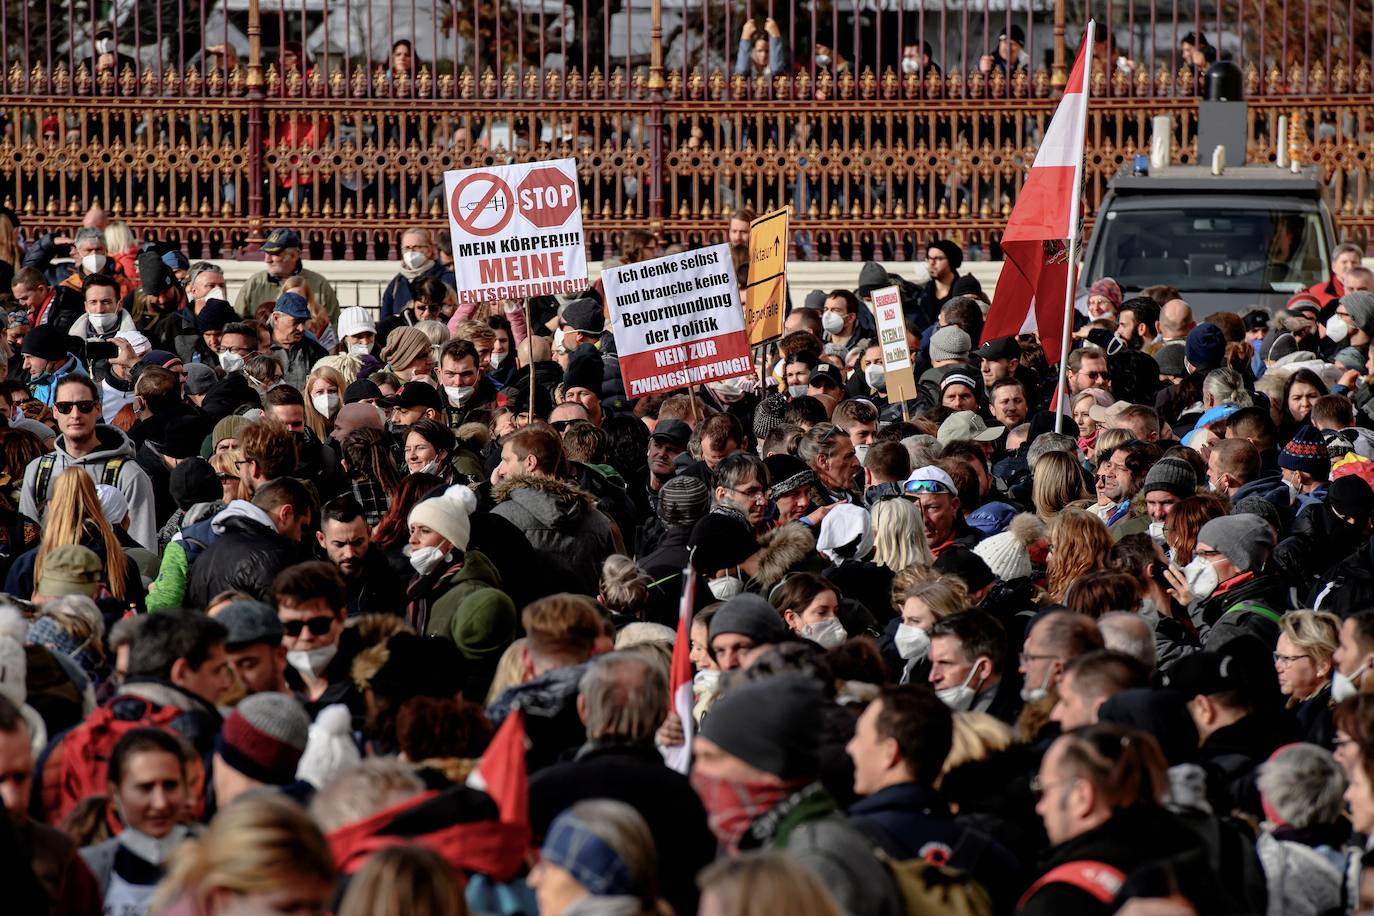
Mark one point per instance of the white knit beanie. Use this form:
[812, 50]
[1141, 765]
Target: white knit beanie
[329, 750]
[1007, 554]
[448, 514]
[14, 673]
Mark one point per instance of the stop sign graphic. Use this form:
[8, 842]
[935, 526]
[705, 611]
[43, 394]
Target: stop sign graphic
[547, 197]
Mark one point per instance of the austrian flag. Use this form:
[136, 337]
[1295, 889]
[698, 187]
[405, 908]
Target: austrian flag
[1040, 242]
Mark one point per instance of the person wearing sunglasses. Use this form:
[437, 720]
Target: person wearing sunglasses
[935, 491]
[311, 606]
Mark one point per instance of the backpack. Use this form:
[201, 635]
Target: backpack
[1098, 879]
[935, 889]
[109, 475]
[86, 750]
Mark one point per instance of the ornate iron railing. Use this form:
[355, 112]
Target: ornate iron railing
[191, 141]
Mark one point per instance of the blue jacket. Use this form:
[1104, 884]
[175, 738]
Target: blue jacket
[397, 294]
[45, 388]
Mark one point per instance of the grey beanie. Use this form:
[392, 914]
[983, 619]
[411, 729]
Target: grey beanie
[772, 724]
[264, 738]
[768, 415]
[1246, 540]
[1360, 305]
[872, 276]
[683, 501]
[750, 615]
[1172, 475]
[950, 342]
[816, 299]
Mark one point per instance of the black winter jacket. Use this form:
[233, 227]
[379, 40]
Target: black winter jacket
[246, 556]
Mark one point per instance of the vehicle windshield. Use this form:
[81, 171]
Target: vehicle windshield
[1212, 249]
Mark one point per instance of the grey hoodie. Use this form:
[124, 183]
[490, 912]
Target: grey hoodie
[132, 481]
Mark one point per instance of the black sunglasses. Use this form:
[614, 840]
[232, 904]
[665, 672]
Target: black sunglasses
[65, 407]
[318, 626]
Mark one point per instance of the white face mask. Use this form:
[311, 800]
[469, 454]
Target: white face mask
[558, 343]
[833, 322]
[1345, 686]
[457, 394]
[414, 259]
[861, 453]
[1036, 694]
[312, 661]
[427, 559]
[103, 324]
[1157, 533]
[230, 362]
[94, 263]
[910, 66]
[829, 633]
[498, 358]
[360, 350]
[1336, 329]
[431, 467]
[796, 391]
[705, 681]
[876, 376]
[326, 404]
[1201, 576]
[913, 643]
[960, 699]
[725, 587]
[216, 292]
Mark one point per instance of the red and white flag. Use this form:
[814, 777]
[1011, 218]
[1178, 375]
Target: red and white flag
[679, 757]
[501, 772]
[1036, 273]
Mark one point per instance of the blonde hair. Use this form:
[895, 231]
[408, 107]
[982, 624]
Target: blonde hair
[510, 670]
[764, 883]
[80, 618]
[473, 330]
[1056, 483]
[119, 238]
[74, 516]
[977, 736]
[1315, 632]
[320, 424]
[226, 462]
[624, 586]
[252, 845]
[404, 881]
[1108, 441]
[899, 537]
[943, 595]
[1080, 543]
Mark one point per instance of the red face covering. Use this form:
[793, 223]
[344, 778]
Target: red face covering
[732, 806]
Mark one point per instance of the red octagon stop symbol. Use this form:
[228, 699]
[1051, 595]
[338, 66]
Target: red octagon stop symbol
[547, 197]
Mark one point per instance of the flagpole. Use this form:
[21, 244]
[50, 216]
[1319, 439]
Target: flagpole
[1075, 208]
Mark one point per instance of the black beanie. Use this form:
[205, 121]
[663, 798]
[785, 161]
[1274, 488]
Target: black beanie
[584, 370]
[772, 725]
[721, 539]
[1352, 497]
[193, 481]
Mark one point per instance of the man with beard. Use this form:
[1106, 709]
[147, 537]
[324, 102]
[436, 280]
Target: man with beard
[370, 584]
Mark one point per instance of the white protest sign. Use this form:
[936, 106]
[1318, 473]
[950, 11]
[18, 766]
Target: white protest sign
[677, 321]
[901, 378]
[517, 230]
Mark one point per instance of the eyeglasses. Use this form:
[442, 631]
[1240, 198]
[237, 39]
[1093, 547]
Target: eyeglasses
[752, 493]
[1027, 657]
[1283, 661]
[65, 407]
[318, 626]
[226, 477]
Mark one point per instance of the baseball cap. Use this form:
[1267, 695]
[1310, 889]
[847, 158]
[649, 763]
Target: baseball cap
[1108, 414]
[965, 425]
[414, 394]
[70, 570]
[929, 479]
[675, 431]
[279, 240]
[999, 348]
[293, 305]
[362, 390]
[1204, 673]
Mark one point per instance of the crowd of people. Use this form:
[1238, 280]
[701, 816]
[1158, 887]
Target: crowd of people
[315, 609]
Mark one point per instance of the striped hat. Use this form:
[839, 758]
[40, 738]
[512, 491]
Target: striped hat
[264, 738]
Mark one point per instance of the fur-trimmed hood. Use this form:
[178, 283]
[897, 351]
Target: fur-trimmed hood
[781, 550]
[548, 499]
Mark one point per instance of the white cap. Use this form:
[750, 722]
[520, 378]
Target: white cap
[355, 320]
[931, 475]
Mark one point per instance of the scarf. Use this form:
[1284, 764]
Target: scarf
[731, 807]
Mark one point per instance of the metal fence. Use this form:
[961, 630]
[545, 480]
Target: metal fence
[882, 125]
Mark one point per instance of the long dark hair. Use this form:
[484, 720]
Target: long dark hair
[395, 525]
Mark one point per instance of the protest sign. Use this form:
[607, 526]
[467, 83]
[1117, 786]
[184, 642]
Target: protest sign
[677, 321]
[517, 231]
[901, 379]
[765, 295]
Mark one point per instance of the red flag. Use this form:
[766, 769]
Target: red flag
[501, 771]
[680, 676]
[1031, 291]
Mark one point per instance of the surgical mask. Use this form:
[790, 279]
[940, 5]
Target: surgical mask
[326, 404]
[312, 661]
[457, 394]
[427, 559]
[230, 362]
[1157, 533]
[1336, 329]
[861, 452]
[1345, 686]
[725, 587]
[103, 324]
[827, 634]
[414, 259]
[796, 391]
[429, 468]
[910, 66]
[94, 263]
[1036, 694]
[705, 681]
[913, 643]
[360, 350]
[833, 322]
[216, 292]
[959, 699]
[1293, 491]
[876, 376]
[1201, 576]
[498, 358]
[822, 60]
[558, 340]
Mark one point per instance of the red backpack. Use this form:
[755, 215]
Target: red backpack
[86, 751]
